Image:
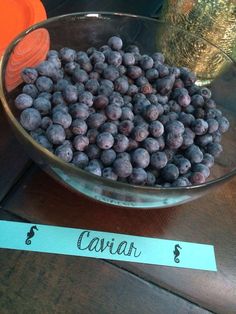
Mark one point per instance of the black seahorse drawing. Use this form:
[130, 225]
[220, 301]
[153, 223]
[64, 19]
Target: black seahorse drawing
[177, 253]
[30, 235]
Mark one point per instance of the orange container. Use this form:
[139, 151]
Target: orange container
[16, 16]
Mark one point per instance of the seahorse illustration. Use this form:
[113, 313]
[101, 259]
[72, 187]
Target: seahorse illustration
[177, 253]
[30, 235]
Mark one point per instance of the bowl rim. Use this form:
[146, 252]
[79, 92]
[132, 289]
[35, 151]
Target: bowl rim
[70, 166]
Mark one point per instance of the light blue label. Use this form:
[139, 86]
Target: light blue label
[106, 245]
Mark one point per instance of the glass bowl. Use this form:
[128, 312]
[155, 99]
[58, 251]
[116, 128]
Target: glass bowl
[83, 30]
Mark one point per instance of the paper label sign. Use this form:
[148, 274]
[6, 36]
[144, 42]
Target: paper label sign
[106, 245]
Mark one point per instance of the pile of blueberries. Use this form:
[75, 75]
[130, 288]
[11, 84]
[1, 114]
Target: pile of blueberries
[123, 115]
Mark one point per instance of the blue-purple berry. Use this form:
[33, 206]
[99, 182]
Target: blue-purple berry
[105, 140]
[29, 75]
[30, 119]
[42, 105]
[56, 134]
[107, 157]
[23, 101]
[121, 143]
[31, 90]
[123, 168]
[80, 159]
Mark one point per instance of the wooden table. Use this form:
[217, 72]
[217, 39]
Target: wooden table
[47, 283]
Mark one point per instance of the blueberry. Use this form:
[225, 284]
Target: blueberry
[199, 113]
[100, 101]
[175, 127]
[139, 133]
[165, 84]
[213, 125]
[173, 116]
[140, 105]
[60, 85]
[80, 142]
[188, 77]
[208, 160]
[156, 128]
[111, 73]
[78, 126]
[42, 105]
[29, 75]
[92, 86]
[115, 43]
[197, 178]
[100, 67]
[142, 80]
[157, 56]
[151, 178]
[121, 143]
[86, 98]
[125, 127]
[201, 168]
[223, 124]
[158, 160]
[197, 100]
[146, 62]
[164, 119]
[124, 155]
[199, 126]
[46, 122]
[78, 110]
[205, 92]
[127, 100]
[176, 71]
[186, 118]
[210, 104]
[67, 54]
[64, 152]
[94, 168]
[188, 138]
[105, 140]
[213, 113]
[105, 90]
[215, 149]
[183, 165]
[92, 135]
[23, 101]
[107, 157]
[31, 90]
[151, 144]
[57, 98]
[80, 159]
[162, 69]
[122, 70]
[128, 59]
[108, 83]
[60, 107]
[56, 134]
[113, 112]
[97, 57]
[140, 158]
[69, 67]
[152, 74]
[178, 83]
[174, 141]
[127, 114]
[181, 182]
[42, 140]
[170, 173]
[194, 154]
[55, 61]
[46, 68]
[70, 93]
[203, 140]
[95, 120]
[80, 76]
[44, 84]
[162, 99]
[114, 58]
[109, 127]
[138, 176]
[93, 151]
[94, 75]
[184, 100]
[123, 168]
[30, 119]
[82, 57]
[189, 109]
[52, 53]
[121, 85]
[134, 72]
[146, 89]
[109, 174]
[132, 49]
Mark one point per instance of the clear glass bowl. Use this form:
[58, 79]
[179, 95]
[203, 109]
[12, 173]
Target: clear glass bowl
[83, 30]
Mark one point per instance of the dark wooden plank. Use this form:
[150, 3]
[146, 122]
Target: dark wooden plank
[48, 283]
[13, 159]
[210, 219]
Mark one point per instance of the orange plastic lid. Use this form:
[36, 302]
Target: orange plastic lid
[16, 16]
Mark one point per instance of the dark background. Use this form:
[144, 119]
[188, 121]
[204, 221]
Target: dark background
[140, 7]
